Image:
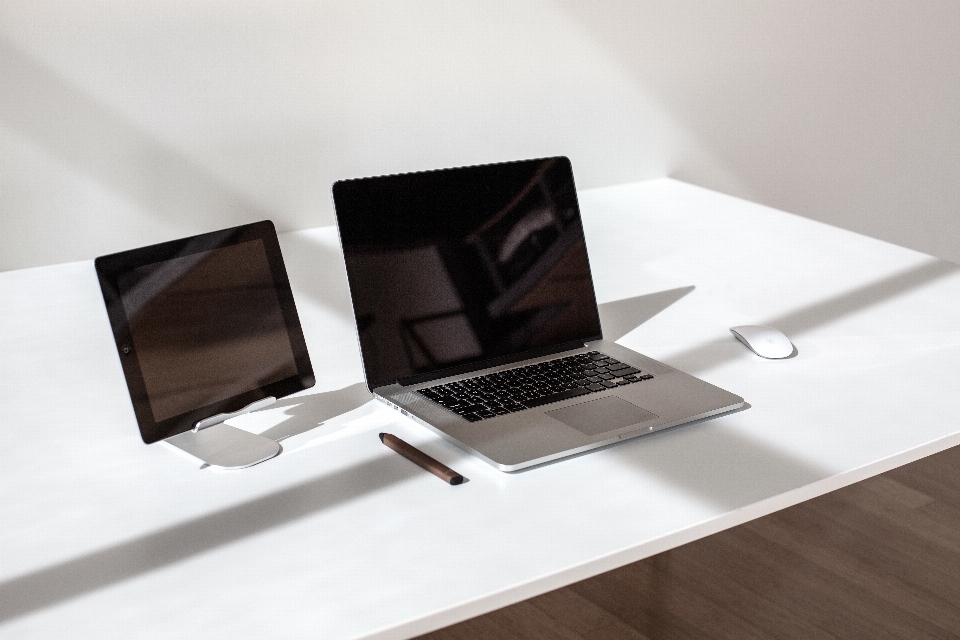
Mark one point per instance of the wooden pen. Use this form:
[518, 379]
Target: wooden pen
[413, 454]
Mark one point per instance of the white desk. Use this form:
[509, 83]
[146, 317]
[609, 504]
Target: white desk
[338, 537]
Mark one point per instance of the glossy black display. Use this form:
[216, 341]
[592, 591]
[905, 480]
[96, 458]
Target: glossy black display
[456, 269]
[204, 325]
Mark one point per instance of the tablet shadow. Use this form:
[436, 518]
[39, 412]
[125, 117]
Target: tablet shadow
[307, 412]
[620, 317]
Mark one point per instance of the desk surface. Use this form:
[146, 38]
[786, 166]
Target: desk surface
[339, 537]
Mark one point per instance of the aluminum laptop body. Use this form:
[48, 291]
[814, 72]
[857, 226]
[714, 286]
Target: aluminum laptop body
[476, 316]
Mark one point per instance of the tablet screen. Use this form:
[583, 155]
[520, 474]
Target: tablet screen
[204, 325]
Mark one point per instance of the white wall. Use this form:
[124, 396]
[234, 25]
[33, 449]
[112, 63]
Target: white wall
[840, 110]
[124, 123]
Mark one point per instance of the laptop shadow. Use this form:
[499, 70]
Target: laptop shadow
[620, 317]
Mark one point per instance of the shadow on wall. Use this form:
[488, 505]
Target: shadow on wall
[216, 116]
[840, 111]
[83, 133]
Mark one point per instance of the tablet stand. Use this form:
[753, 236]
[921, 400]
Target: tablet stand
[221, 445]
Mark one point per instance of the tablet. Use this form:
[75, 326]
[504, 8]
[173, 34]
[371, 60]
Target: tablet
[203, 326]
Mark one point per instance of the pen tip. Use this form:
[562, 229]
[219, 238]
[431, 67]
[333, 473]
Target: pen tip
[381, 436]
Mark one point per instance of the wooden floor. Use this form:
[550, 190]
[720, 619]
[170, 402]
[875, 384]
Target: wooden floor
[879, 559]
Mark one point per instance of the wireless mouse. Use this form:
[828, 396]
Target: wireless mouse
[764, 341]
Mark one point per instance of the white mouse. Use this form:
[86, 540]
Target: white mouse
[764, 341]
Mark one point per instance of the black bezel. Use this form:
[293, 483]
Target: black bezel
[110, 268]
[343, 189]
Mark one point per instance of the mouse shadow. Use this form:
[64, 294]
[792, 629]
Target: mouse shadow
[313, 411]
[620, 317]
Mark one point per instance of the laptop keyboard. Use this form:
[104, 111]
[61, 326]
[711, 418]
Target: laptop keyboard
[498, 394]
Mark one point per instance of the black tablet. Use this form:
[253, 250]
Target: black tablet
[203, 326]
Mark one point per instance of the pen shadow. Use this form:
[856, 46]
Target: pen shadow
[620, 317]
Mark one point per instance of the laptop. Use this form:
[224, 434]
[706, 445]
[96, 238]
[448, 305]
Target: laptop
[476, 316]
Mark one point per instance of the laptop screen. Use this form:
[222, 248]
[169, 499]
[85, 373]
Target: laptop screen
[450, 270]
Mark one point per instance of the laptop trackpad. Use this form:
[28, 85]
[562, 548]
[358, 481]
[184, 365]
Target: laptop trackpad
[599, 416]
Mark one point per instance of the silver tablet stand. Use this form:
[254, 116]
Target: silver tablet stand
[221, 445]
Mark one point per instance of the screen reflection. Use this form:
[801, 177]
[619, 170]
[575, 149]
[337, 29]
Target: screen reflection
[453, 267]
[206, 327]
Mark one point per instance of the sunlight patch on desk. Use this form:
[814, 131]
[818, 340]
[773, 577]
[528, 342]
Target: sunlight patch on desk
[93, 571]
[719, 464]
[706, 357]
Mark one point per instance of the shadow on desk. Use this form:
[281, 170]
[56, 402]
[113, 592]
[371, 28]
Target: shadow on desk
[739, 474]
[310, 411]
[66, 580]
[720, 466]
[620, 317]
[727, 468]
[704, 357]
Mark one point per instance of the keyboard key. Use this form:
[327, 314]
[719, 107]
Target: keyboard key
[532, 385]
[556, 397]
[473, 408]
